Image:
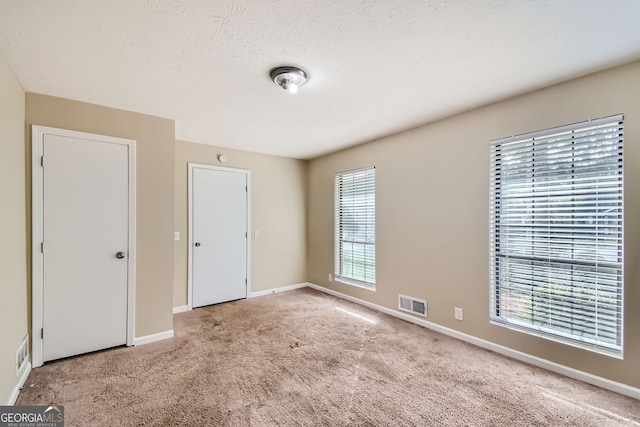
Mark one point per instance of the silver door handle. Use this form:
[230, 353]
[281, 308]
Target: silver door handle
[120, 255]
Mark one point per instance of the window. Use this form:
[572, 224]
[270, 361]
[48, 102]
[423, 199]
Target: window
[556, 233]
[355, 227]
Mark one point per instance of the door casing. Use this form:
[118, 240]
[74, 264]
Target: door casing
[191, 167]
[37, 140]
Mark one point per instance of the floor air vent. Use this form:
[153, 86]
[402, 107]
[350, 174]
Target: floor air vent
[412, 305]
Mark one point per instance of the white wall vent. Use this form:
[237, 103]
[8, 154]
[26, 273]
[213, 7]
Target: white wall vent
[22, 354]
[412, 305]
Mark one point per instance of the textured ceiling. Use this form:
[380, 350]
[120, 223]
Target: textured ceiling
[377, 67]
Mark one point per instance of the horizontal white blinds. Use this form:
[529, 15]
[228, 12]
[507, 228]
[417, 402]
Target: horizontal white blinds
[355, 226]
[556, 232]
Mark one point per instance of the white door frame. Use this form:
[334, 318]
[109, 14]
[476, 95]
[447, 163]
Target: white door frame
[37, 150]
[190, 243]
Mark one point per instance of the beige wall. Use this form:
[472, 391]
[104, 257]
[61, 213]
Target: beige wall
[433, 206]
[13, 245]
[278, 184]
[155, 155]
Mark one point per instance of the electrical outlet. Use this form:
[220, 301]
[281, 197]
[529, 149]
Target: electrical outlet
[457, 313]
[330, 277]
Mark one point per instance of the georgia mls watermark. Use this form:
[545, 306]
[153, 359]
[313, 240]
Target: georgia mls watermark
[32, 416]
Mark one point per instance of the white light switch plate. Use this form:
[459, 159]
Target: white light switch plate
[176, 236]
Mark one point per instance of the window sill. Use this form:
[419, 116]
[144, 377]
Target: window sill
[356, 283]
[616, 354]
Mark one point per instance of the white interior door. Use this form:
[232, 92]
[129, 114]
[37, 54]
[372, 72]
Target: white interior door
[219, 235]
[85, 239]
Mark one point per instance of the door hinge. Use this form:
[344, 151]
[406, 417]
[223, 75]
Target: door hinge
[245, 282]
[246, 234]
[246, 188]
[41, 333]
[42, 161]
[41, 247]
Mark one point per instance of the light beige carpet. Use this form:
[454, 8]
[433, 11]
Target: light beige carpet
[306, 358]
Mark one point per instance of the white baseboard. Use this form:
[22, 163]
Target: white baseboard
[180, 309]
[153, 337]
[586, 377]
[277, 290]
[16, 390]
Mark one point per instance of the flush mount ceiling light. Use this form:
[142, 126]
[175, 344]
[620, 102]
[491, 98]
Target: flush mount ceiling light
[289, 77]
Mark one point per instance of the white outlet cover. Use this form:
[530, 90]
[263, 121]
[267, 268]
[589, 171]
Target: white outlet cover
[176, 236]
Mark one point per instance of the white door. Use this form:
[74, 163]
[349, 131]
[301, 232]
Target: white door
[219, 235]
[85, 245]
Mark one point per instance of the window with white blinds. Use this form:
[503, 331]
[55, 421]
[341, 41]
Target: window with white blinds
[355, 227]
[556, 236]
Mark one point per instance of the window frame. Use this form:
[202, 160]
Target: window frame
[366, 188]
[497, 238]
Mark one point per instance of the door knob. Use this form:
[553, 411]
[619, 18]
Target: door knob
[197, 244]
[120, 255]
